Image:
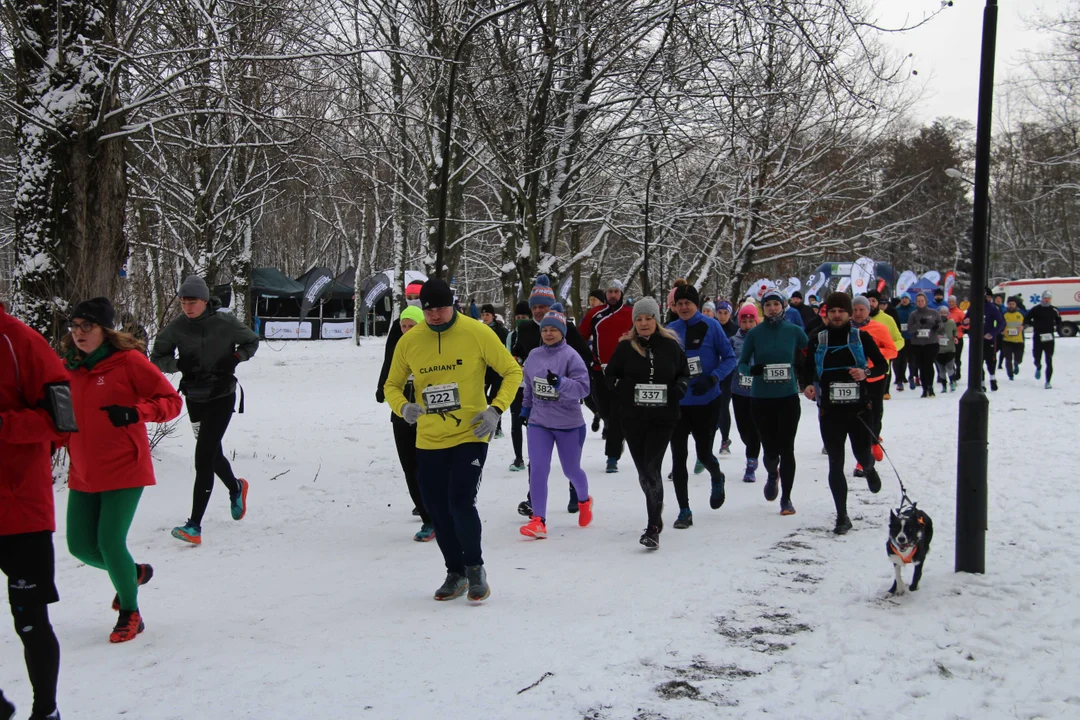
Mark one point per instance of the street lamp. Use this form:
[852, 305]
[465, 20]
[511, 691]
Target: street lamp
[974, 421]
[957, 175]
[448, 127]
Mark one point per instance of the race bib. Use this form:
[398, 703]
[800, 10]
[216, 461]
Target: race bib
[544, 390]
[943, 341]
[1012, 332]
[695, 366]
[844, 392]
[924, 332]
[441, 398]
[1046, 337]
[777, 373]
[746, 381]
[903, 327]
[650, 395]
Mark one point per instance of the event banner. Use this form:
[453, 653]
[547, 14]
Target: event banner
[288, 330]
[336, 330]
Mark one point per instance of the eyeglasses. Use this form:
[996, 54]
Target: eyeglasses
[81, 327]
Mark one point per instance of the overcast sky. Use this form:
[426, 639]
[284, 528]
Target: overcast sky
[947, 49]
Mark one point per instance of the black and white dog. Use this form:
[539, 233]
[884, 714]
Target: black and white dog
[910, 533]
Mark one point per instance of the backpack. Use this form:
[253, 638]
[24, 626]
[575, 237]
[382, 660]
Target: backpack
[854, 344]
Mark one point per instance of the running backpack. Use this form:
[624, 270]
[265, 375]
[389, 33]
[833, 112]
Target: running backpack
[854, 345]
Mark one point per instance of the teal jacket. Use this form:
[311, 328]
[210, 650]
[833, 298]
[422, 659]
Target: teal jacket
[773, 343]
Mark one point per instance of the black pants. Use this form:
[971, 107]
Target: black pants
[724, 423]
[405, 440]
[1014, 353]
[876, 392]
[945, 366]
[647, 445]
[745, 422]
[958, 364]
[449, 481]
[516, 423]
[923, 357]
[28, 562]
[900, 364]
[209, 421]
[990, 355]
[1038, 348]
[699, 421]
[838, 424]
[613, 430]
[777, 422]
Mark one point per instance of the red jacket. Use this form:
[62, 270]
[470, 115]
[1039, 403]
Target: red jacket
[104, 457]
[27, 366]
[604, 326]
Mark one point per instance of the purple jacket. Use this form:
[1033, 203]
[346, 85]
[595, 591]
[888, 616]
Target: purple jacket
[563, 413]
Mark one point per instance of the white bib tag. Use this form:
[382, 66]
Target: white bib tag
[777, 373]
[1046, 337]
[844, 392]
[650, 395]
[943, 341]
[746, 381]
[441, 398]
[544, 390]
[695, 365]
[924, 332]
[1012, 332]
[903, 327]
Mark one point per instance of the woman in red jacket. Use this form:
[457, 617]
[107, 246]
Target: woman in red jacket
[115, 390]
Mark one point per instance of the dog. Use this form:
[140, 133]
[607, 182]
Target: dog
[910, 533]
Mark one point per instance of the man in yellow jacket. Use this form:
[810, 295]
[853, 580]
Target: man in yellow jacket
[447, 357]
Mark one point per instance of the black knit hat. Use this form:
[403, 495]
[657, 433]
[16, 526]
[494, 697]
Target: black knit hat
[436, 294]
[797, 294]
[839, 300]
[687, 292]
[522, 308]
[598, 294]
[98, 310]
[487, 308]
[873, 295]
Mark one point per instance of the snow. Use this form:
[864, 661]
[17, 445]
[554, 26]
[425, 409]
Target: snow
[319, 603]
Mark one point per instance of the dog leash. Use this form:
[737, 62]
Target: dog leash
[904, 499]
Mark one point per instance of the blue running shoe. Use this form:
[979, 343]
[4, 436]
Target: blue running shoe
[750, 475]
[189, 533]
[911, 383]
[238, 500]
[517, 466]
[612, 466]
[685, 520]
[1038, 373]
[771, 489]
[717, 497]
[786, 508]
[425, 534]
[698, 468]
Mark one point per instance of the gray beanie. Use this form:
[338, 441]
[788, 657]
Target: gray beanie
[860, 300]
[647, 306]
[194, 287]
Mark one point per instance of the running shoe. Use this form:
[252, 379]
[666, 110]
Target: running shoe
[698, 468]
[843, 524]
[525, 508]
[912, 383]
[517, 466]
[875, 448]
[887, 396]
[189, 533]
[612, 466]
[651, 538]
[585, 512]
[717, 496]
[416, 512]
[144, 573]
[596, 423]
[426, 533]
[786, 507]
[238, 500]
[535, 528]
[7, 710]
[952, 386]
[685, 519]
[993, 384]
[1038, 373]
[1047, 386]
[873, 480]
[454, 586]
[859, 472]
[750, 474]
[499, 433]
[54, 715]
[725, 447]
[478, 585]
[127, 627]
[771, 486]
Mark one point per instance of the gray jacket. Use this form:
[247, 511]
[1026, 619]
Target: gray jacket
[947, 343]
[926, 320]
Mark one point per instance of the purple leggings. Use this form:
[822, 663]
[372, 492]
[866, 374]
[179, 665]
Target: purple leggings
[541, 443]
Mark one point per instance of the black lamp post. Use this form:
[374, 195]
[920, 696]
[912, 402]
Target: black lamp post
[971, 457]
[448, 127]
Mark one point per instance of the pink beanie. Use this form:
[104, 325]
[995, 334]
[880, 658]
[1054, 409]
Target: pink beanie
[748, 310]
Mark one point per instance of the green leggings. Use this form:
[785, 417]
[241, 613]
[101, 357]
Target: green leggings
[97, 528]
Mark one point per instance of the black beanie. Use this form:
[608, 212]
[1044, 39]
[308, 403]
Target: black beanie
[839, 300]
[522, 308]
[436, 294]
[687, 292]
[98, 310]
[599, 295]
[873, 295]
[487, 308]
[797, 294]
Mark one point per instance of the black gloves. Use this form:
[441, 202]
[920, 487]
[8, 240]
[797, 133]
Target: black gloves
[702, 386]
[121, 416]
[553, 379]
[758, 369]
[185, 364]
[380, 396]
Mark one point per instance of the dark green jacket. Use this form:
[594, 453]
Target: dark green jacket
[207, 343]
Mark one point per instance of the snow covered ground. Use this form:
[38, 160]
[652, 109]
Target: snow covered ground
[318, 604]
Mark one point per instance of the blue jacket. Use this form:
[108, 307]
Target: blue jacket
[793, 316]
[902, 315]
[993, 320]
[706, 343]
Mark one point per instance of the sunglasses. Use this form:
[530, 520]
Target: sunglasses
[81, 326]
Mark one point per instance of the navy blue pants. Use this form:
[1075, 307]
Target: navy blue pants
[449, 480]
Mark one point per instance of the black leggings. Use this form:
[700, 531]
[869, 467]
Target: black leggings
[405, 440]
[724, 424]
[900, 364]
[923, 356]
[210, 420]
[605, 405]
[42, 653]
[959, 360]
[876, 391]
[1038, 348]
[837, 425]
[777, 422]
[699, 421]
[516, 423]
[745, 422]
[990, 355]
[1014, 353]
[647, 445]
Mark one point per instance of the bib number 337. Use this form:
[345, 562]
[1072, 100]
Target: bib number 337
[648, 394]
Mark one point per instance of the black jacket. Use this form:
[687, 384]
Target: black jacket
[836, 363]
[664, 363]
[1043, 319]
[392, 338]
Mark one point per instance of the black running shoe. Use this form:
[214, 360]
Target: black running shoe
[54, 715]
[717, 497]
[596, 423]
[651, 538]
[873, 480]
[843, 524]
[478, 586]
[416, 512]
[454, 586]
[145, 572]
[772, 486]
[525, 508]
[7, 710]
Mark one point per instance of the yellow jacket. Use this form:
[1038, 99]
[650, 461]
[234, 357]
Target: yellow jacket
[1014, 327]
[894, 332]
[459, 355]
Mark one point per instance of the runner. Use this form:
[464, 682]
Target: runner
[404, 433]
[904, 362]
[708, 309]
[775, 347]
[448, 356]
[35, 413]
[924, 327]
[710, 360]
[993, 323]
[730, 326]
[1013, 339]
[878, 384]
[210, 345]
[842, 358]
[557, 380]
[1044, 320]
[647, 376]
[946, 350]
[809, 316]
[115, 391]
[957, 316]
[605, 326]
[740, 395]
[879, 315]
[492, 381]
[522, 317]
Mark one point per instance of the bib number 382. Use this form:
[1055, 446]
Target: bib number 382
[650, 395]
[544, 390]
[442, 398]
[777, 373]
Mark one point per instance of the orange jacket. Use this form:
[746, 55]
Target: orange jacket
[883, 339]
[957, 316]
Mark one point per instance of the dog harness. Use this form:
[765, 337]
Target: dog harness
[900, 554]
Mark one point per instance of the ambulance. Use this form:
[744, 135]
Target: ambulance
[1066, 298]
